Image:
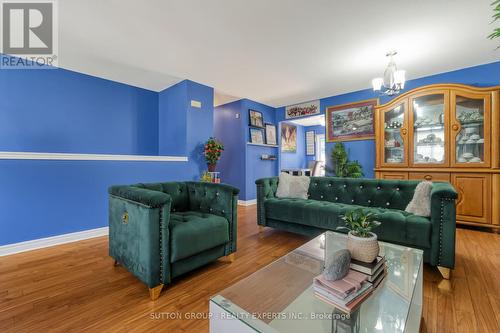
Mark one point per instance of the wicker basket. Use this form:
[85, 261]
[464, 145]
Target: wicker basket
[363, 249]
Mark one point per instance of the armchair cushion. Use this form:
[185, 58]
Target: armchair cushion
[192, 232]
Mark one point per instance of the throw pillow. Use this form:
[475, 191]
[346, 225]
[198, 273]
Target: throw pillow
[292, 186]
[421, 202]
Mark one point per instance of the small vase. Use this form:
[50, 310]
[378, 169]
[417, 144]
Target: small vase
[364, 249]
[211, 167]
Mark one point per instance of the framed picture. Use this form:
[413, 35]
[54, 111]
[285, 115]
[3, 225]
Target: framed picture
[353, 121]
[302, 110]
[271, 134]
[310, 143]
[288, 138]
[255, 118]
[257, 135]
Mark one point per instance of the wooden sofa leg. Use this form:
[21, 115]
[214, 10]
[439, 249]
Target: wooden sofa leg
[116, 263]
[261, 228]
[445, 272]
[154, 293]
[230, 257]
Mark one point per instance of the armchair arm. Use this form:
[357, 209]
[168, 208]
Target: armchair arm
[266, 188]
[217, 199]
[141, 196]
[443, 219]
[139, 232]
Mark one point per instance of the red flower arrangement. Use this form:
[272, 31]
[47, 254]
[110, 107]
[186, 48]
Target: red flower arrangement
[212, 151]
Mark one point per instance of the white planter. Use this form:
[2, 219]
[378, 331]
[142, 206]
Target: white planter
[361, 248]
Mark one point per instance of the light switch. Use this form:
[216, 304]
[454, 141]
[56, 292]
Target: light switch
[237, 116]
[195, 104]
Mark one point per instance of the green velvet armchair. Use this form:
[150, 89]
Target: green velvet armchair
[159, 231]
[331, 197]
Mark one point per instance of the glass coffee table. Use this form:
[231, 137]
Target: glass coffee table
[279, 297]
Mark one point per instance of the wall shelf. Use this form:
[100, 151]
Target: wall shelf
[262, 145]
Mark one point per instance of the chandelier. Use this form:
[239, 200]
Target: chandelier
[393, 81]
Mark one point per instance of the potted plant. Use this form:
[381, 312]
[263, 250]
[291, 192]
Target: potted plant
[361, 242]
[212, 151]
[342, 166]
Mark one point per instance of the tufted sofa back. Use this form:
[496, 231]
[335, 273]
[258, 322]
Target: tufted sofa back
[177, 190]
[393, 194]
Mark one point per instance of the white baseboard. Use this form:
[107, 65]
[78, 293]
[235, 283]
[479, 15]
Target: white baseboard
[247, 202]
[8, 249]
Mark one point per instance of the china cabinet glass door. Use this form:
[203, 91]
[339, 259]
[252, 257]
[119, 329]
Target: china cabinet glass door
[429, 116]
[395, 131]
[470, 129]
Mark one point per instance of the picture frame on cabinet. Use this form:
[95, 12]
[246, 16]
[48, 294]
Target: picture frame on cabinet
[257, 135]
[271, 134]
[255, 118]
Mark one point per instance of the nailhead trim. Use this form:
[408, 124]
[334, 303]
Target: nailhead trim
[161, 247]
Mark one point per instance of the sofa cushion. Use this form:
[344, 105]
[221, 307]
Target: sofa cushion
[194, 232]
[396, 225]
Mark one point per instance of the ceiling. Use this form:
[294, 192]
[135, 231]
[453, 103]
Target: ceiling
[276, 52]
[309, 121]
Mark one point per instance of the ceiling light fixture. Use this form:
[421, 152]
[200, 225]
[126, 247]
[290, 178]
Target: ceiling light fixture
[393, 81]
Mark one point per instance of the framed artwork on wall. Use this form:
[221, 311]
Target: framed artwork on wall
[288, 138]
[257, 135]
[255, 118]
[353, 121]
[302, 110]
[271, 134]
[310, 143]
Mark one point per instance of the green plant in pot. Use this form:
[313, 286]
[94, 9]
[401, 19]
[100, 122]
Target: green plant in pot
[212, 150]
[361, 241]
[342, 166]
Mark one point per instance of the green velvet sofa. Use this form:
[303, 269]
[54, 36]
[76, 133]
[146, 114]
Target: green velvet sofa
[331, 197]
[159, 231]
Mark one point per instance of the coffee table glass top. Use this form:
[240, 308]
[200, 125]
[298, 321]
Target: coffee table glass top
[279, 297]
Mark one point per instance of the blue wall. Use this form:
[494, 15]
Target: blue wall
[255, 167]
[364, 151]
[63, 111]
[46, 198]
[240, 164]
[231, 132]
[172, 122]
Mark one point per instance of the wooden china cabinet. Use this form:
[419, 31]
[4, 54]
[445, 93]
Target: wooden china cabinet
[445, 132]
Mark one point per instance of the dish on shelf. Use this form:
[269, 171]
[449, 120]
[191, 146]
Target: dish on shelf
[393, 124]
[480, 141]
[475, 159]
[467, 155]
[471, 130]
[427, 159]
[469, 116]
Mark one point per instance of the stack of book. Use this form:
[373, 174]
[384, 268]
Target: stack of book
[348, 294]
[375, 270]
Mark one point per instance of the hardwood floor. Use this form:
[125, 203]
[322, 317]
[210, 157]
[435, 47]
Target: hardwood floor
[75, 287]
